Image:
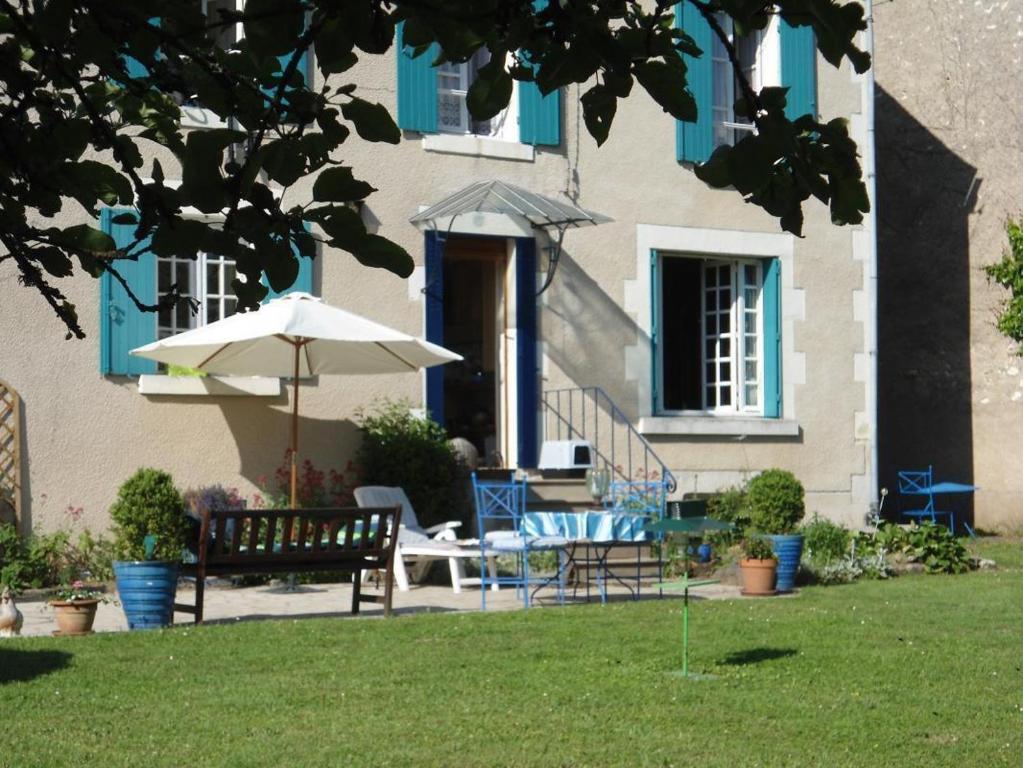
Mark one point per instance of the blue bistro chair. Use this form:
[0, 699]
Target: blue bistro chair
[920, 483]
[500, 510]
[643, 498]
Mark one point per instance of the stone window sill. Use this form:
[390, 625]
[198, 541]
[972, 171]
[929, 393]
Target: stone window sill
[192, 386]
[718, 425]
[478, 146]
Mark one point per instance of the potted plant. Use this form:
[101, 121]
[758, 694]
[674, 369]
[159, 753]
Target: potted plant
[74, 608]
[776, 507]
[757, 567]
[150, 529]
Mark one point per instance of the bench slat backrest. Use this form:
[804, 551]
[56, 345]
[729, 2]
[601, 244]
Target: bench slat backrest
[335, 537]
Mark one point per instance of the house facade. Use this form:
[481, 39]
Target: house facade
[719, 344]
[949, 154]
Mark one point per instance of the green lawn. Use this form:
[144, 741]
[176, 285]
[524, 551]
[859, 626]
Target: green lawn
[917, 671]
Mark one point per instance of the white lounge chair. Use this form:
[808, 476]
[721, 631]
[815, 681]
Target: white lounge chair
[422, 545]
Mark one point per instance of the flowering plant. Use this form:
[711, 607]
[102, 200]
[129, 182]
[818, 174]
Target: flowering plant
[78, 591]
[315, 488]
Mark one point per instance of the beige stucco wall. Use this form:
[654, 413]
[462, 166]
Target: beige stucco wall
[950, 155]
[84, 434]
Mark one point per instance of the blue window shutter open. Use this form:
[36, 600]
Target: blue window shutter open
[525, 350]
[655, 321]
[539, 116]
[434, 295]
[694, 142]
[136, 69]
[123, 326]
[304, 280]
[417, 88]
[772, 338]
[799, 70]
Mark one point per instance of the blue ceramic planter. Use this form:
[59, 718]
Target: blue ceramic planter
[788, 549]
[705, 552]
[147, 590]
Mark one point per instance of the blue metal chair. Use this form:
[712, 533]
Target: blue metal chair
[500, 508]
[643, 498]
[921, 483]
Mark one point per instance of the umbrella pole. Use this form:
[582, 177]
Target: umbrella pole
[294, 432]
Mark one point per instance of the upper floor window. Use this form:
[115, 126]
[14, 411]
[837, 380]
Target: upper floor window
[432, 100]
[730, 128]
[453, 81]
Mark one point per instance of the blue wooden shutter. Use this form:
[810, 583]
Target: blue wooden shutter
[525, 350]
[799, 70]
[694, 142]
[417, 88]
[302, 68]
[136, 69]
[655, 323]
[434, 295]
[304, 280]
[122, 325]
[539, 115]
[772, 338]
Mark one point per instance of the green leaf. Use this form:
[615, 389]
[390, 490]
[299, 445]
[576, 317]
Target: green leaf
[89, 181]
[202, 183]
[273, 26]
[83, 237]
[599, 107]
[333, 47]
[490, 91]
[377, 251]
[284, 161]
[54, 261]
[342, 225]
[338, 185]
[372, 121]
[667, 85]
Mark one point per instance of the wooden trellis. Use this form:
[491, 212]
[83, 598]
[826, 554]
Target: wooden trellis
[10, 453]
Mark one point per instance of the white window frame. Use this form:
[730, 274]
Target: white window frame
[736, 335]
[197, 289]
[504, 126]
[195, 116]
[766, 73]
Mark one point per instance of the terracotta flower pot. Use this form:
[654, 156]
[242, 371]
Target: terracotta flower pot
[74, 617]
[758, 576]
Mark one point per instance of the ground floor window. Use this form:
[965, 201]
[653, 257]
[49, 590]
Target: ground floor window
[710, 353]
[207, 279]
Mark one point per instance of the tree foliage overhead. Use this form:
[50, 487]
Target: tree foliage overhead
[92, 92]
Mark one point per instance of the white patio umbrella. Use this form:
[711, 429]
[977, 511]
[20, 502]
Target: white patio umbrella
[296, 335]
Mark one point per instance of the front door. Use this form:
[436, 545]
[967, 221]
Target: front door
[481, 303]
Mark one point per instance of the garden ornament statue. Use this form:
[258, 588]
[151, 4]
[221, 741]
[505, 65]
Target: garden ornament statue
[10, 617]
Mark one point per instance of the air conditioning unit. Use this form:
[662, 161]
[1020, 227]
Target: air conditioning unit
[566, 454]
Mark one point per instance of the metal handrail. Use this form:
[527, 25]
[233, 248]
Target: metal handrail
[577, 426]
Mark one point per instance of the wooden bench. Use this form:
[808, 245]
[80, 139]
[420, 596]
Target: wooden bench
[266, 541]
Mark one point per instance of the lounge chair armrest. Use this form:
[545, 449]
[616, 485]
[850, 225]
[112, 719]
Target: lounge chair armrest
[444, 526]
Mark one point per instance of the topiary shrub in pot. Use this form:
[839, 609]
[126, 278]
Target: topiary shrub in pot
[150, 529]
[776, 507]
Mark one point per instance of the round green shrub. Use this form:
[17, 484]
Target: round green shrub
[824, 541]
[401, 449]
[148, 504]
[775, 502]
